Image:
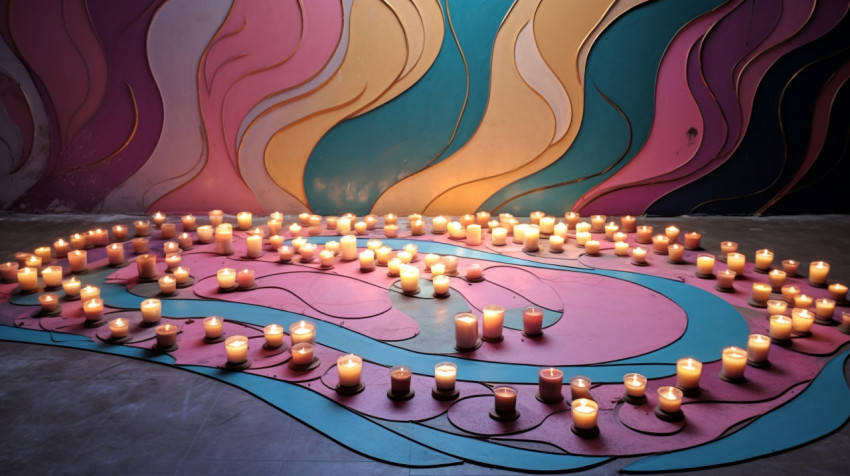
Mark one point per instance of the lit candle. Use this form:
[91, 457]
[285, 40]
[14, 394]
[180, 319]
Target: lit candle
[456, 230]
[404, 257]
[78, 261]
[789, 293]
[412, 249]
[627, 223]
[158, 219]
[572, 219]
[438, 269]
[367, 260]
[409, 279]
[170, 247]
[775, 306]
[44, 253]
[226, 278]
[474, 272]
[382, 255]
[326, 258]
[302, 331]
[584, 413]
[592, 247]
[672, 232]
[9, 271]
[333, 246]
[670, 399]
[93, 309]
[89, 292]
[349, 368]
[28, 279]
[146, 266]
[189, 223]
[482, 218]
[295, 230]
[549, 383]
[445, 374]
[307, 252]
[151, 311]
[505, 401]
[244, 220]
[49, 302]
[556, 244]
[494, 318]
[394, 267]
[181, 275]
[736, 262]
[790, 266]
[688, 373]
[52, 276]
[166, 336]
[167, 284]
[535, 216]
[400, 377]
[285, 253]
[644, 234]
[803, 301]
[348, 248]
[597, 223]
[780, 328]
[360, 228]
[441, 285]
[473, 234]
[439, 224]
[499, 236]
[818, 271]
[169, 230]
[302, 354]
[621, 248]
[692, 240]
[727, 247]
[119, 328]
[274, 226]
[140, 246]
[547, 225]
[582, 237]
[838, 292]
[71, 287]
[390, 231]
[466, 331]
[532, 321]
[761, 293]
[758, 347]
[764, 259]
[224, 239]
[660, 244]
[274, 336]
[254, 246]
[245, 278]
[371, 221]
[115, 253]
[61, 247]
[635, 385]
[215, 217]
[580, 387]
[610, 229]
[213, 327]
[802, 320]
[79, 241]
[33, 261]
[675, 253]
[619, 236]
[236, 349]
[639, 255]
[777, 278]
[705, 265]
[734, 362]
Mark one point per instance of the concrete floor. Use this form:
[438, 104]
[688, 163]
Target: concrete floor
[66, 411]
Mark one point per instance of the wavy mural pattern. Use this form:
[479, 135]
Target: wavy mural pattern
[428, 106]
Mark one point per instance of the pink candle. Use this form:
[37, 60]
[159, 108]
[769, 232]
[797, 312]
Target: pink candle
[505, 401]
[549, 384]
[146, 265]
[245, 278]
[532, 321]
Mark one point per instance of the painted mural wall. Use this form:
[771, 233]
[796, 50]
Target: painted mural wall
[430, 106]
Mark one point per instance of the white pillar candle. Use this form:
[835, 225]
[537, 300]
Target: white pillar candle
[78, 261]
[93, 309]
[493, 325]
[151, 310]
[409, 279]
[473, 234]
[532, 321]
[61, 247]
[273, 334]
[119, 327]
[226, 278]
[670, 399]
[52, 276]
[348, 248]
[505, 400]
[236, 349]
[254, 246]
[445, 375]
[349, 367]
[28, 279]
[466, 331]
[802, 320]
[167, 284]
[302, 354]
[245, 278]
[549, 383]
[531, 238]
[758, 347]
[166, 335]
[584, 412]
[780, 327]
[224, 239]
[302, 331]
[764, 259]
[733, 362]
[439, 224]
[818, 272]
[213, 327]
[115, 253]
[274, 226]
[635, 384]
[499, 236]
[71, 287]
[49, 302]
[580, 387]
[367, 260]
[688, 372]
[441, 285]
[244, 220]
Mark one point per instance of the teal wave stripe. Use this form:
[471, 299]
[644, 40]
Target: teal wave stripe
[819, 410]
[360, 158]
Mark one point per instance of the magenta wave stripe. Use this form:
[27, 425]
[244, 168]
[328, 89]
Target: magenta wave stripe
[677, 111]
[820, 127]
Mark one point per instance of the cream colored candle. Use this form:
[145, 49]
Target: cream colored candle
[181, 275]
[244, 220]
[583, 227]
[374, 244]
[761, 293]
[224, 239]
[273, 334]
[519, 233]
[28, 279]
[298, 242]
[572, 218]
[556, 244]
[61, 247]
[790, 266]
[307, 252]
[78, 261]
[140, 246]
[49, 302]
[349, 368]
[660, 243]
[254, 246]
[580, 387]
[333, 246]
[610, 229]
[758, 347]
[409, 279]
[670, 399]
[9, 271]
[592, 247]
[52, 276]
[33, 261]
[285, 253]
[119, 328]
[802, 320]
[499, 236]
[777, 278]
[727, 247]
[213, 327]
[438, 269]
[535, 216]
[560, 230]
[493, 322]
[635, 385]
[582, 237]
[584, 412]
[450, 262]
[93, 309]
[151, 310]
[79, 241]
[348, 248]
[276, 241]
[173, 260]
[627, 223]
[789, 293]
[824, 308]
[391, 231]
[115, 254]
[675, 253]
[413, 249]
[245, 278]
[818, 272]
[71, 287]
[780, 327]
[166, 336]
[692, 240]
[482, 218]
[394, 267]
[764, 259]
[274, 226]
[466, 331]
[170, 247]
[189, 222]
[619, 236]
[302, 331]
[439, 224]
[672, 232]
[549, 384]
[295, 230]
[838, 292]
[621, 248]
[803, 301]
[326, 258]
[736, 262]
[383, 254]
[505, 400]
[431, 259]
[532, 321]
[168, 231]
[44, 253]
[473, 234]
[215, 217]
[236, 349]
[330, 222]
[547, 225]
[445, 375]
[705, 265]
[226, 278]
[644, 234]
[302, 354]
[639, 255]
[89, 292]
[367, 260]
[597, 223]
[734, 362]
[688, 372]
[360, 228]
[775, 306]
[158, 219]
[167, 284]
[441, 285]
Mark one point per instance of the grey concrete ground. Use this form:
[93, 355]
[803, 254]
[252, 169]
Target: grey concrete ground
[74, 412]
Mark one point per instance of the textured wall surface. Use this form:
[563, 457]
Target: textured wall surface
[430, 106]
